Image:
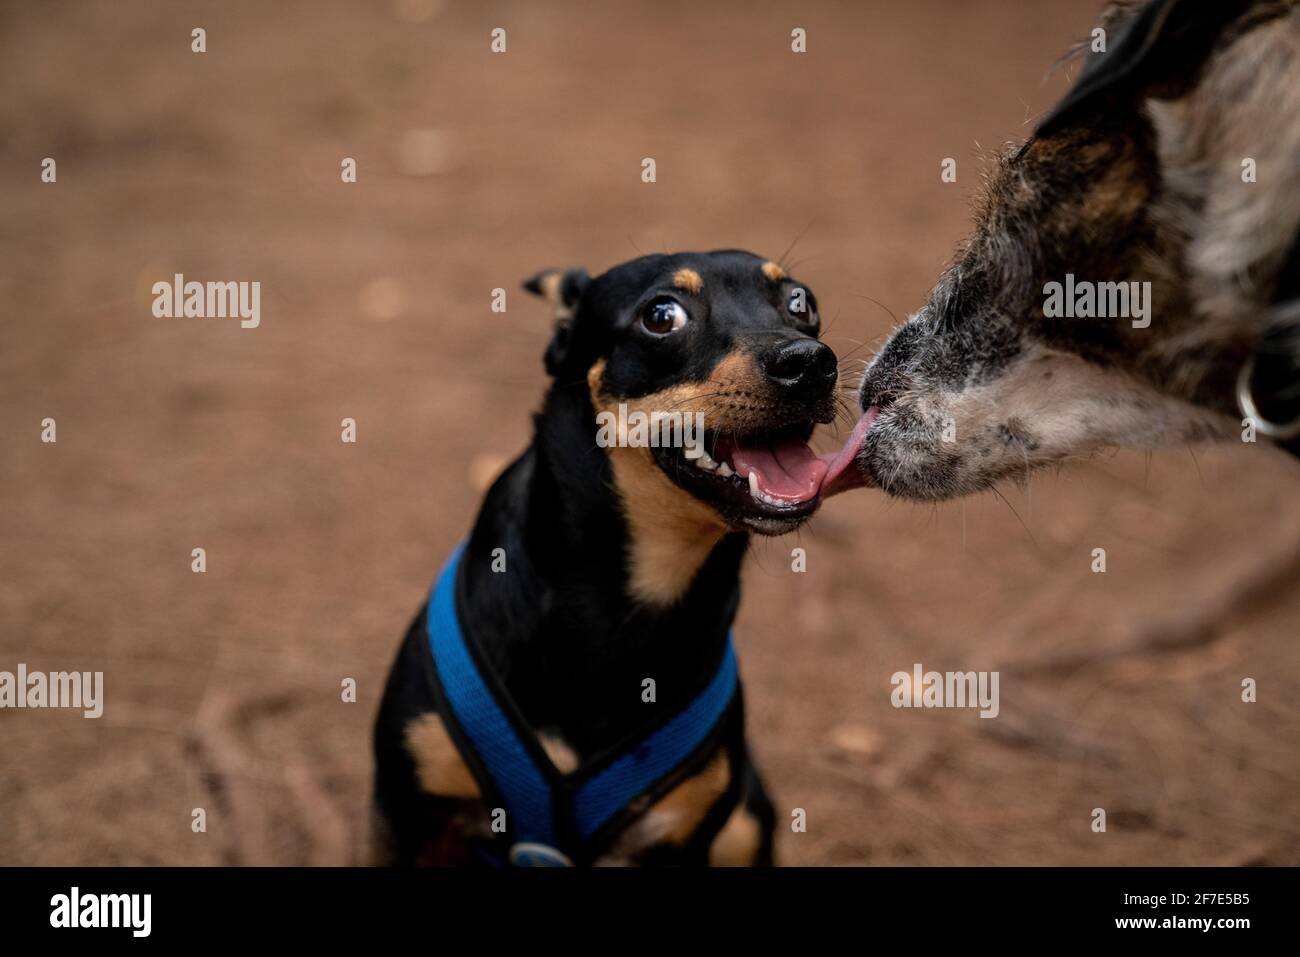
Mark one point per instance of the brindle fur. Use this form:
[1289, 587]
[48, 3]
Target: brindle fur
[1141, 182]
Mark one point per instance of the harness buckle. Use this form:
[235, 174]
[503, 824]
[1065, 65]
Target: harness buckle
[530, 854]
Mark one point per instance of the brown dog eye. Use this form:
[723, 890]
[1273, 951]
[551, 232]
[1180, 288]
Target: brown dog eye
[662, 317]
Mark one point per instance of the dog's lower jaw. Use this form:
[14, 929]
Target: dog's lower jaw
[932, 445]
[772, 527]
[670, 532]
[935, 441]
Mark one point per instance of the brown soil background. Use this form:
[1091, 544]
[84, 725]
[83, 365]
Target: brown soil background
[1119, 691]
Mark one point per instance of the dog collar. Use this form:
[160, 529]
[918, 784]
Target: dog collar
[1281, 431]
[554, 819]
[1268, 385]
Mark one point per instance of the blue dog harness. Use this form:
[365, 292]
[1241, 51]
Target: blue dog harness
[553, 819]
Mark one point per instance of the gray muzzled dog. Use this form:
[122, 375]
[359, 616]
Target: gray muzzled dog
[1133, 278]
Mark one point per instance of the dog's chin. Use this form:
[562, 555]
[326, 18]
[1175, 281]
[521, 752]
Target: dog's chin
[767, 482]
[915, 465]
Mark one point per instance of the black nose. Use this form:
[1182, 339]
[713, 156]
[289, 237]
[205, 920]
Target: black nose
[803, 367]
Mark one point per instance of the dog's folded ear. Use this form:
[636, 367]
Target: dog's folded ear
[562, 288]
[1158, 50]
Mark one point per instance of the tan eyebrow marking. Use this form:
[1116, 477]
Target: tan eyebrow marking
[688, 279]
[773, 272]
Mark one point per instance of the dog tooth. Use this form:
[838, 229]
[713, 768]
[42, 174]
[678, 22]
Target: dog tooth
[725, 470]
[705, 462]
[753, 486]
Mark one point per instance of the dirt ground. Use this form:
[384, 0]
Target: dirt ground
[1119, 691]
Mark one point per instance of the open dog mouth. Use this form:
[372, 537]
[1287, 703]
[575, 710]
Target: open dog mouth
[768, 479]
[765, 478]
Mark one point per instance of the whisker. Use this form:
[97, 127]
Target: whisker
[853, 350]
[795, 264]
[692, 398]
[794, 242]
[880, 304]
[994, 490]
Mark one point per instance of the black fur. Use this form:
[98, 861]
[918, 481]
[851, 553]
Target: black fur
[1157, 49]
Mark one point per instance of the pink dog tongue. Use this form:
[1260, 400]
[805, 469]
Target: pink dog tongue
[842, 473]
[789, 471]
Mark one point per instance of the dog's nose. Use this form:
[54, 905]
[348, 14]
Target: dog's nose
[803, 367]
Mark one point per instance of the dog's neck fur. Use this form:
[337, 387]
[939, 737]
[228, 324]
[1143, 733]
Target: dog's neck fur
[561, 625]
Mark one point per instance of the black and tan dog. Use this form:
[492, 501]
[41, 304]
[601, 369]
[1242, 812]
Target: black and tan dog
[569, 693]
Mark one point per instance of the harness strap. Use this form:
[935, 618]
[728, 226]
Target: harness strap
[515, 775]
[603, 795]
[547, 811]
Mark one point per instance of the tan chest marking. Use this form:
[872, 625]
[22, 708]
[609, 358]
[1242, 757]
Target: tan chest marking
[438, 765]
[562, 756]
[442, 771]
[674, 817]
[738, 842]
